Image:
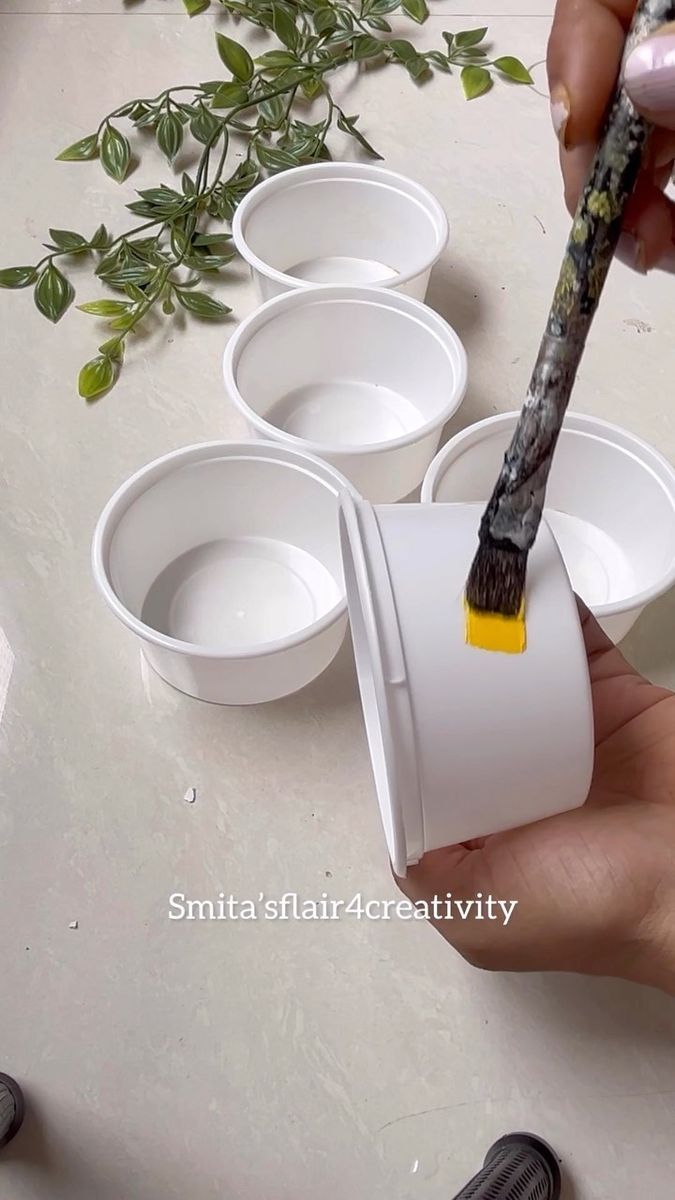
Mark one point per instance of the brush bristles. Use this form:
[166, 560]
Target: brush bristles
[496, 582]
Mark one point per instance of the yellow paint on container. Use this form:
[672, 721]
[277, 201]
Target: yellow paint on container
[493, 631]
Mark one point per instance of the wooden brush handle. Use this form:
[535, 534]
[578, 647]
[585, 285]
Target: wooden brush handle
[514, 511]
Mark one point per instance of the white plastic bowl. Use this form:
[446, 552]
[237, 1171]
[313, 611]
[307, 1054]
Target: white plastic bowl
[364, 378]
[463, 742]
[224, 560]
[346, 223]
[610, 502]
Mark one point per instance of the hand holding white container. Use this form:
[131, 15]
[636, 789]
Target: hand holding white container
[340, 223]
[224, 560]
[463, 742]
[610, 503]
[361, 377]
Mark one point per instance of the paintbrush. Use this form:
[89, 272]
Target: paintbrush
[495, 589]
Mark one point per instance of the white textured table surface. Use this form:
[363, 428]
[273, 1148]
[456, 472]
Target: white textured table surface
[205, 1060]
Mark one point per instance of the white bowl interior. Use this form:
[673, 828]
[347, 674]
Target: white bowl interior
[346, 372]
[229, 553]
[613, 518]
[342, 230]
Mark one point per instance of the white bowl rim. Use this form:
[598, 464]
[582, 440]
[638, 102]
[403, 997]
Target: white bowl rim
[436, 325]
[151, 473]
[337, 170]
[616, 435]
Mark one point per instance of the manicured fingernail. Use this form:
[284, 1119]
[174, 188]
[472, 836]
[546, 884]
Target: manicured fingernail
[649, 73]
[560, 111]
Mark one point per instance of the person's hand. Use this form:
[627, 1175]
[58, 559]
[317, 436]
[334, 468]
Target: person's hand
[595, 886]
[584, 55]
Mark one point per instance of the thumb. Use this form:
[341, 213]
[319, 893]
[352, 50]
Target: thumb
[649, 77]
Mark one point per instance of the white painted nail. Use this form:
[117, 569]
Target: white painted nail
[649, 73]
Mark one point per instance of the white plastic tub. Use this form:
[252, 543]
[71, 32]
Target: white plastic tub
[610, 503]
[343, 223]
[463, 742]
[224, 560]
[364, 378]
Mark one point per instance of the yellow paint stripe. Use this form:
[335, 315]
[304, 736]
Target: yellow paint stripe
[492, 631]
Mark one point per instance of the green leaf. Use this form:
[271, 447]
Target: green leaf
[230, 95]
[438, 59]
[366, 47]
[188, 185]
[124, 322]
[417, 67]
[404, 51]
[475, 81]
[142, 209]
[340, 38]
[109, 262]
[276, 59]
[169, 135]
[134, 293]
[383, 7]
[53, 293]
[272, 111]
[138, 111]
[194, 7]
[211, 239]
[236, 58]
[17, 277]
[416, 9]
[379, 23]
[274, 159]
[115, 153]
[101, 239]
[324, 21]
[124, 275]
[284, 27]
[162, 196]
[513, 69]
[104, 308]
[208, 262]
[86, 148]
[168, 306]
[204, 125]
[348, 125]
[65, 239]
[469, 37]
[312, 86]
[473, 54]
[449, 40]
[113, 348]
[203, 305]
[149, 119]
[96, 377]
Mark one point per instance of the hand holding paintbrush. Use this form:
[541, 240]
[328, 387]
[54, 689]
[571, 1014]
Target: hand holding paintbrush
[495, 591]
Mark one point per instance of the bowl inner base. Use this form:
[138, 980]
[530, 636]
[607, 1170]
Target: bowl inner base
[338, 269]
[237, 592]
[598, 567]
[345, 413]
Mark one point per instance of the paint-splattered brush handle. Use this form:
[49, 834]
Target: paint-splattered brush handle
[514, 510]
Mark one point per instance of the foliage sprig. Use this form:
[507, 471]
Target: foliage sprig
[265, 104]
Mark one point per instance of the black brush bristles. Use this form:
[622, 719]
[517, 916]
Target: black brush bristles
[496, 582]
